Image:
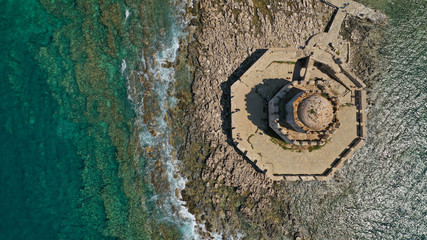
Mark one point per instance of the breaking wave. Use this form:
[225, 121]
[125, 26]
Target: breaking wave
[157, 80]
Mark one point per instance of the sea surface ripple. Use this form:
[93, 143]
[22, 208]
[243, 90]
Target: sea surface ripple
[381, 192]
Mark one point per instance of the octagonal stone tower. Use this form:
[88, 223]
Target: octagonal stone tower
[298, 114]
[311, 114]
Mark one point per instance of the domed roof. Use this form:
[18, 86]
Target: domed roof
[315, 112]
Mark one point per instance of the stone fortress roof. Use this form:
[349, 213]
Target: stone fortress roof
[315, 112]
[299, 114]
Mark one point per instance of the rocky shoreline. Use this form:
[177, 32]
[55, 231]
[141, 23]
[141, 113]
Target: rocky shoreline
[224, 191]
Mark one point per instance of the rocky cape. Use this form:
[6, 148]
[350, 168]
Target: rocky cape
[225, 191]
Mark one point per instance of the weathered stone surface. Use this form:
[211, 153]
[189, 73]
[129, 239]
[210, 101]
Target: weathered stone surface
[315, 112]
[256, 111]
[228, 33]
[223, 44]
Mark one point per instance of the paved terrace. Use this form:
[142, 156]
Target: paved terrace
[251, 132]
[279, 67]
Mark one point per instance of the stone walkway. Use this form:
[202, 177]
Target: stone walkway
[357, 10]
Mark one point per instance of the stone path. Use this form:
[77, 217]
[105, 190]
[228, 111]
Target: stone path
[356, 9]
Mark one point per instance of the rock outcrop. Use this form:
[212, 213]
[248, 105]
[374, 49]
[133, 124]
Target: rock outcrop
[224, 190]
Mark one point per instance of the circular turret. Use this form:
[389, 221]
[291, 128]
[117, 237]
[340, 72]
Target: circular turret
[315, 112]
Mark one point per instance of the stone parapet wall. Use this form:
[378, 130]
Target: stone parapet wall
[347, 152]
[316, 64]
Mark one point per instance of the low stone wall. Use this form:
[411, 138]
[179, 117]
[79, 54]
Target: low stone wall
[360, 102]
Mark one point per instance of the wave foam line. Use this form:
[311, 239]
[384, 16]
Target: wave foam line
[173, 207]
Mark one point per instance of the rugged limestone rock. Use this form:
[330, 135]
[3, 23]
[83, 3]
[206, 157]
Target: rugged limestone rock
[224, 190]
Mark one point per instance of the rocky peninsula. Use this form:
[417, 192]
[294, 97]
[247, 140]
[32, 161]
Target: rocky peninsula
[224, 190]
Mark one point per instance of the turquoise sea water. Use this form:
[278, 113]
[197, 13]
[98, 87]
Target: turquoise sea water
[70, 167]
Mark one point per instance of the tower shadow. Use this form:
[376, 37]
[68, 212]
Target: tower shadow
[226, 100]
[226, 91]
[257, 102]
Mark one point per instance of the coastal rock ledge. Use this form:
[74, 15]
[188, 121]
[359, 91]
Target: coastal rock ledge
[224, 189]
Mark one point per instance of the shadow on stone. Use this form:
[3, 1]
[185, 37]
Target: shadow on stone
[226, 100]
[257, 102]
[299, 68]
[226, 88]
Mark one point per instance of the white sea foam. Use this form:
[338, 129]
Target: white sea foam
[164, 92]
[123, 68]
[127, 14]
[173, 209]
